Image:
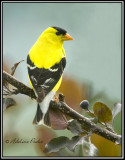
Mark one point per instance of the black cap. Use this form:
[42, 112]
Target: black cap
[59, 30]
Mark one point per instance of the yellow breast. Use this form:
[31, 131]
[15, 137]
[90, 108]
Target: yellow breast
[45, 56]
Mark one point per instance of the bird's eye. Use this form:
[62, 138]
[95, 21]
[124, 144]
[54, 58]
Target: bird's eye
[58, 33]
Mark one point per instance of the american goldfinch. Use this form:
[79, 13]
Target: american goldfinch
[46, 61]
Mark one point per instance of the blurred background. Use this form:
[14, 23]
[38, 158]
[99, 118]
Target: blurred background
[93, 70]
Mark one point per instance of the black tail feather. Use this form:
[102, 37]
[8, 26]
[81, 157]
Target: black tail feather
[47, 119]
[38, 116]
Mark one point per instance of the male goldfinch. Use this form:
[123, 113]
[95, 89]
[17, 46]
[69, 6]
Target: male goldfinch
[46, 61]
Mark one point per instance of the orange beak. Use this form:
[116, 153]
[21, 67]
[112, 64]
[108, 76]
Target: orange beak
[67, 37]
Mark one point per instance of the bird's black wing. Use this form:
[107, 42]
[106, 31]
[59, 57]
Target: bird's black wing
[44, 80]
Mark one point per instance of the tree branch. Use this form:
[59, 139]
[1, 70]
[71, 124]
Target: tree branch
[21, 88]
[65, 109]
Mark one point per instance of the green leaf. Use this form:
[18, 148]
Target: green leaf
[76, 140]
[116, 109]
[8, 102]
[56, 144]
[88, 148]
[102, 111]
[75, 127]
[59, 143]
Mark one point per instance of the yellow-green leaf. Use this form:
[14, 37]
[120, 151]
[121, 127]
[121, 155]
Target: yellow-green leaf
[102, 111]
